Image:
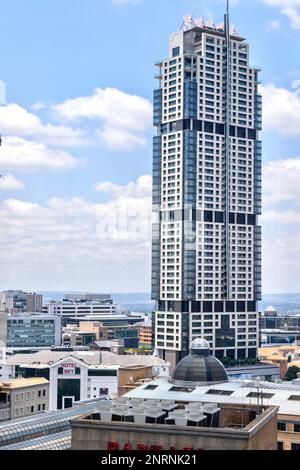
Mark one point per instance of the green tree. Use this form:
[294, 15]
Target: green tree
[292, 373]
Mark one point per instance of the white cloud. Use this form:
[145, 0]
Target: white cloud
[281, 110]
[289, 8]
[124, 118]
[273, 25]
[21, 154]
[10, 182]
[142, 188]
[17, 121]
[281, 182]
[75, 243]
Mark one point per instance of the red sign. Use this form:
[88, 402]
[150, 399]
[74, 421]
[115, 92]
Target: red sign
[114, 446]
[69, 368]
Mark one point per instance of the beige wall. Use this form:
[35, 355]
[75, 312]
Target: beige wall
[289, 436]
[136, 373]
[23, 399]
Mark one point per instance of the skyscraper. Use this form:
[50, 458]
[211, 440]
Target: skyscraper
[207, 160]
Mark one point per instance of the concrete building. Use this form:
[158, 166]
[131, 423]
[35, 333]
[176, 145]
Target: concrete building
[207, 159]
[90, 331]
[30, 330]
[23, 397]
[145, 333]
[270, 312]
[17, 301]
[83, 375]
[176, 418]
[73, 311]
[34, 303]
[284, 396]
[256, 433]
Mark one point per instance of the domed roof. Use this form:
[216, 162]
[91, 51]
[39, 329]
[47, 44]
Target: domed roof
[199, 367]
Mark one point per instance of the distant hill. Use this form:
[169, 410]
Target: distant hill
[141, 302]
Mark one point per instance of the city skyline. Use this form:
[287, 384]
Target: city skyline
[66, 163]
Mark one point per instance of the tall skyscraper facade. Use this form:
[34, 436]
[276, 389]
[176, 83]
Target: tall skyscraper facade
[207, 160]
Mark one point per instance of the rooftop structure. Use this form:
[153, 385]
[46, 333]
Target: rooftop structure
[199, 367]
[132, 424]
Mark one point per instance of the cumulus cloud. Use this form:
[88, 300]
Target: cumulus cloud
[79, 240]
[142, 188]
[21, 154]
[10, 182]
[124, 119]
[17, 121]
[281, 182]
[289, 8]
[281, 110]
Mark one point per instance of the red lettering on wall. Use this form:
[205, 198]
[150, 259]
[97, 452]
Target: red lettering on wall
[127, 446]
[111, 446]
[142, 447]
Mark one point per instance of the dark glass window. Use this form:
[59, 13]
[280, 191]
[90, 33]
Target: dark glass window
[229, 307]
[251, 219]
[295, 397]
[151, 387]
[176, 51]
[207, 307]
[279, 445]
[197, 125]
[231, 218]
[267, 396]
[232, 131]
[241, 219]
[219, 217]
[208, 216]
[241, 132]
[251, 306]
[102, 373]
[252, 134]
[219, 392]
[296, 427]
[220, 129]
[241, 306]
[181, 389]
[295, 446]
[209, 127]
[219, 307]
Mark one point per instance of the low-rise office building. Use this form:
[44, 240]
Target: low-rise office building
[145, 333]
[30, 330]
[17, 301]
[23, 397]
[82, 375]
[89, 332]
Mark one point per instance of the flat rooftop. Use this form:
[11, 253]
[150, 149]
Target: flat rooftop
[284, 395]
[21, 383]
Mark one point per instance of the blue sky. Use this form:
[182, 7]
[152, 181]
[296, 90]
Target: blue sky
[77, 136]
